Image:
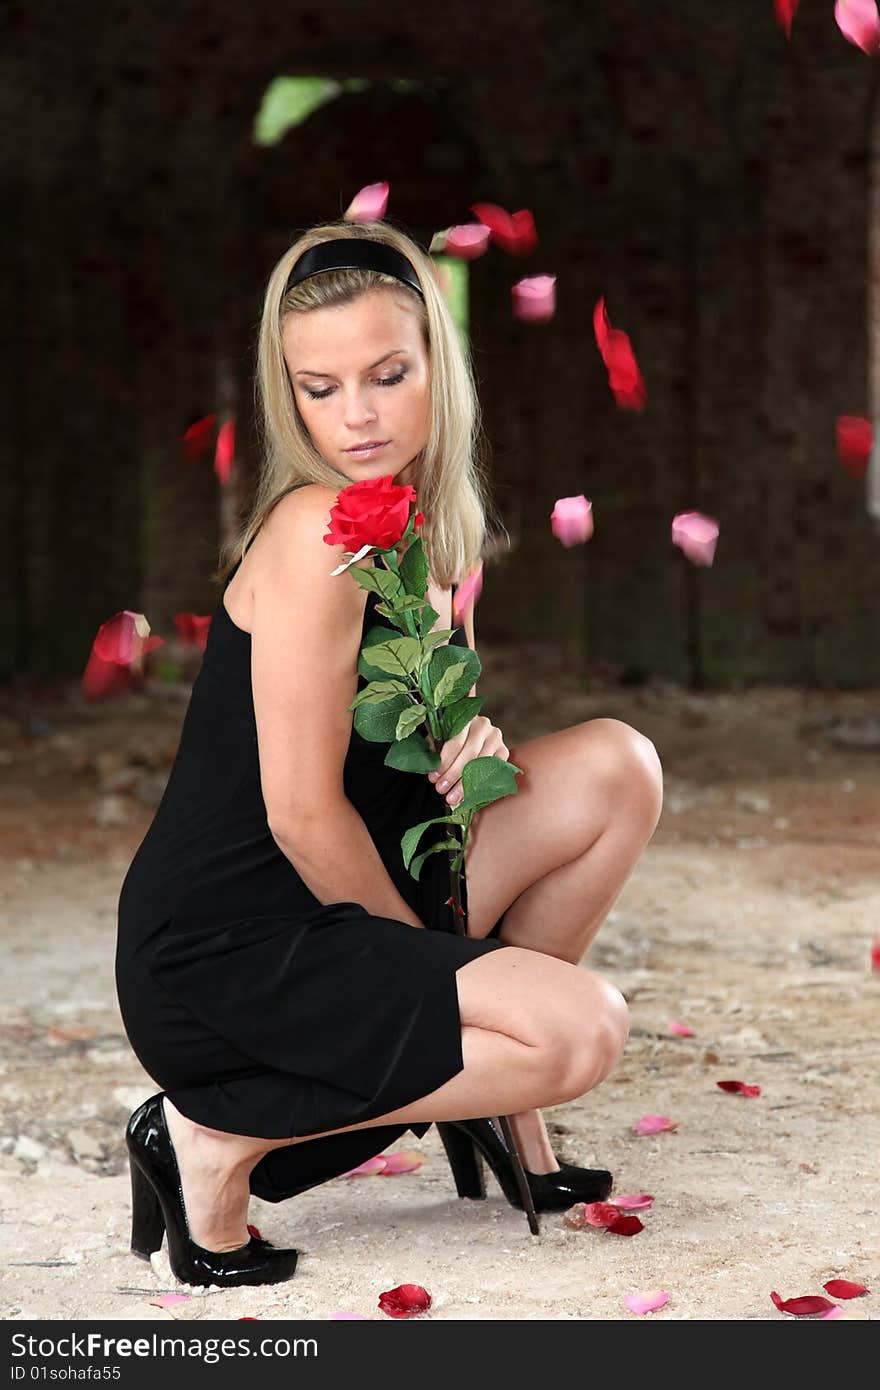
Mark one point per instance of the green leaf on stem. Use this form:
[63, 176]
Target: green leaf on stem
[426, 620]
[380, 580]
[447, 683]
[377, 722]
[375, 635]
[416, 866]
[485, 780]
[414, 834]
[444, 657]
[414, 569]
[455, 716]
[412, 754]
[377, 691]
[399, 656]
[430, 640]
[409, 720]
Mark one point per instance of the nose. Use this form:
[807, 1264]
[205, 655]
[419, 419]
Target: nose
[357, 409]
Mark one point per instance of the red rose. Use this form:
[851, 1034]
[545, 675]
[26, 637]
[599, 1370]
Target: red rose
[373, 512]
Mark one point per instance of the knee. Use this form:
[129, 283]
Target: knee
[629, 762]
[590, 1050]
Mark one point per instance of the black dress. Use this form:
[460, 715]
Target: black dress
[255, 1007]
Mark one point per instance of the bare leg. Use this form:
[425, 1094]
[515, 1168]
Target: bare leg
[612, 771]
[534, 1032]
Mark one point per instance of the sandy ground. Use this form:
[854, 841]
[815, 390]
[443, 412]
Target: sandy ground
[750, 918]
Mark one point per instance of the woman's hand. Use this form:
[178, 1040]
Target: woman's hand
[478, 739]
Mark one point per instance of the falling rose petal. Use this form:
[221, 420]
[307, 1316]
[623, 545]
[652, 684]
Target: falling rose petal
[696, 535]
[225, 451]
[168, 1300]
[875, 953]
[739, 1088]
[681, 1030]
[533, 299]
[254, 1231]
[855, 440]
[513, 232]
[247, 1318]
[466, 594]
[116, 661]
[366, 1169]
[785, 13]
[802, 1307]
[600, 1214]
[632, 1201]
[654, 1124]
[468, 240]
[369, 204]
[624, 377]
[646, 1302]
[192, 629]
[625, 1226]
[844, 1288]
[859, 22]
[405, 1161]
[571, 520]
[197, 438]
[405, 1301]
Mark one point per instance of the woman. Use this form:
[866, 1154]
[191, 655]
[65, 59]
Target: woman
[299, 997]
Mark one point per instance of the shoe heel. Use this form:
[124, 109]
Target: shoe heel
[465, 1162]
[147, 1221]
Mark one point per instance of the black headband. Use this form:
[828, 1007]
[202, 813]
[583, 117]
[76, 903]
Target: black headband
[353, 253]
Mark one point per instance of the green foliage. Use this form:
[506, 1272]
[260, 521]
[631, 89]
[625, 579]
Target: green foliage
[287, 102]
[412, 754]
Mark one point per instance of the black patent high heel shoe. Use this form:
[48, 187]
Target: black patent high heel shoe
[468, 1142]
[157, 1207]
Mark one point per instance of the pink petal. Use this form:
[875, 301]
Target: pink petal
[534, 298]
[467, 240]
[875, 953]
[466, 594]
[785, 13]
[116, 661]
[681, 1030]
[168, 1300]
[632, 1201]
[224, 452]
[844, 1288]
[834, 1312]
[696, 535]
[571, 520]
[600, 1214]
[859, 22]
[739, 1087]
[855, 440]
[805, 1307]
[406, 1161]
[646, 1302]
[192, 629]
[654, 1124]
[366, 1169]
[368, 204]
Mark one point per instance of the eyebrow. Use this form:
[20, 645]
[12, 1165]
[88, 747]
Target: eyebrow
[305, 371]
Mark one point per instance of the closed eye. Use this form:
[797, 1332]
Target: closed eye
[380, 381]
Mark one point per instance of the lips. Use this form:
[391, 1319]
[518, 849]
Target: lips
[368, 444]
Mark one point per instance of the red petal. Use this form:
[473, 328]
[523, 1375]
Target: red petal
[740, 1087]
[844, 1288]
[625, 1226]
[254, 1231]
[624, 376]
[802, 1307]
[198, 437]
[192, 629]
[875, 953]
[513, 232]
[404, 1301]
[855, 440]
[225, 451]
[600, 1214]
[785, 13]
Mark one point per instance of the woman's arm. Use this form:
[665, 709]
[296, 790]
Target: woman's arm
[305, 638]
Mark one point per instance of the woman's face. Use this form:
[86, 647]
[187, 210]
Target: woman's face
[360, 375]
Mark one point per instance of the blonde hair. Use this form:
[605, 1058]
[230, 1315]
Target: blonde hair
[449, 474]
